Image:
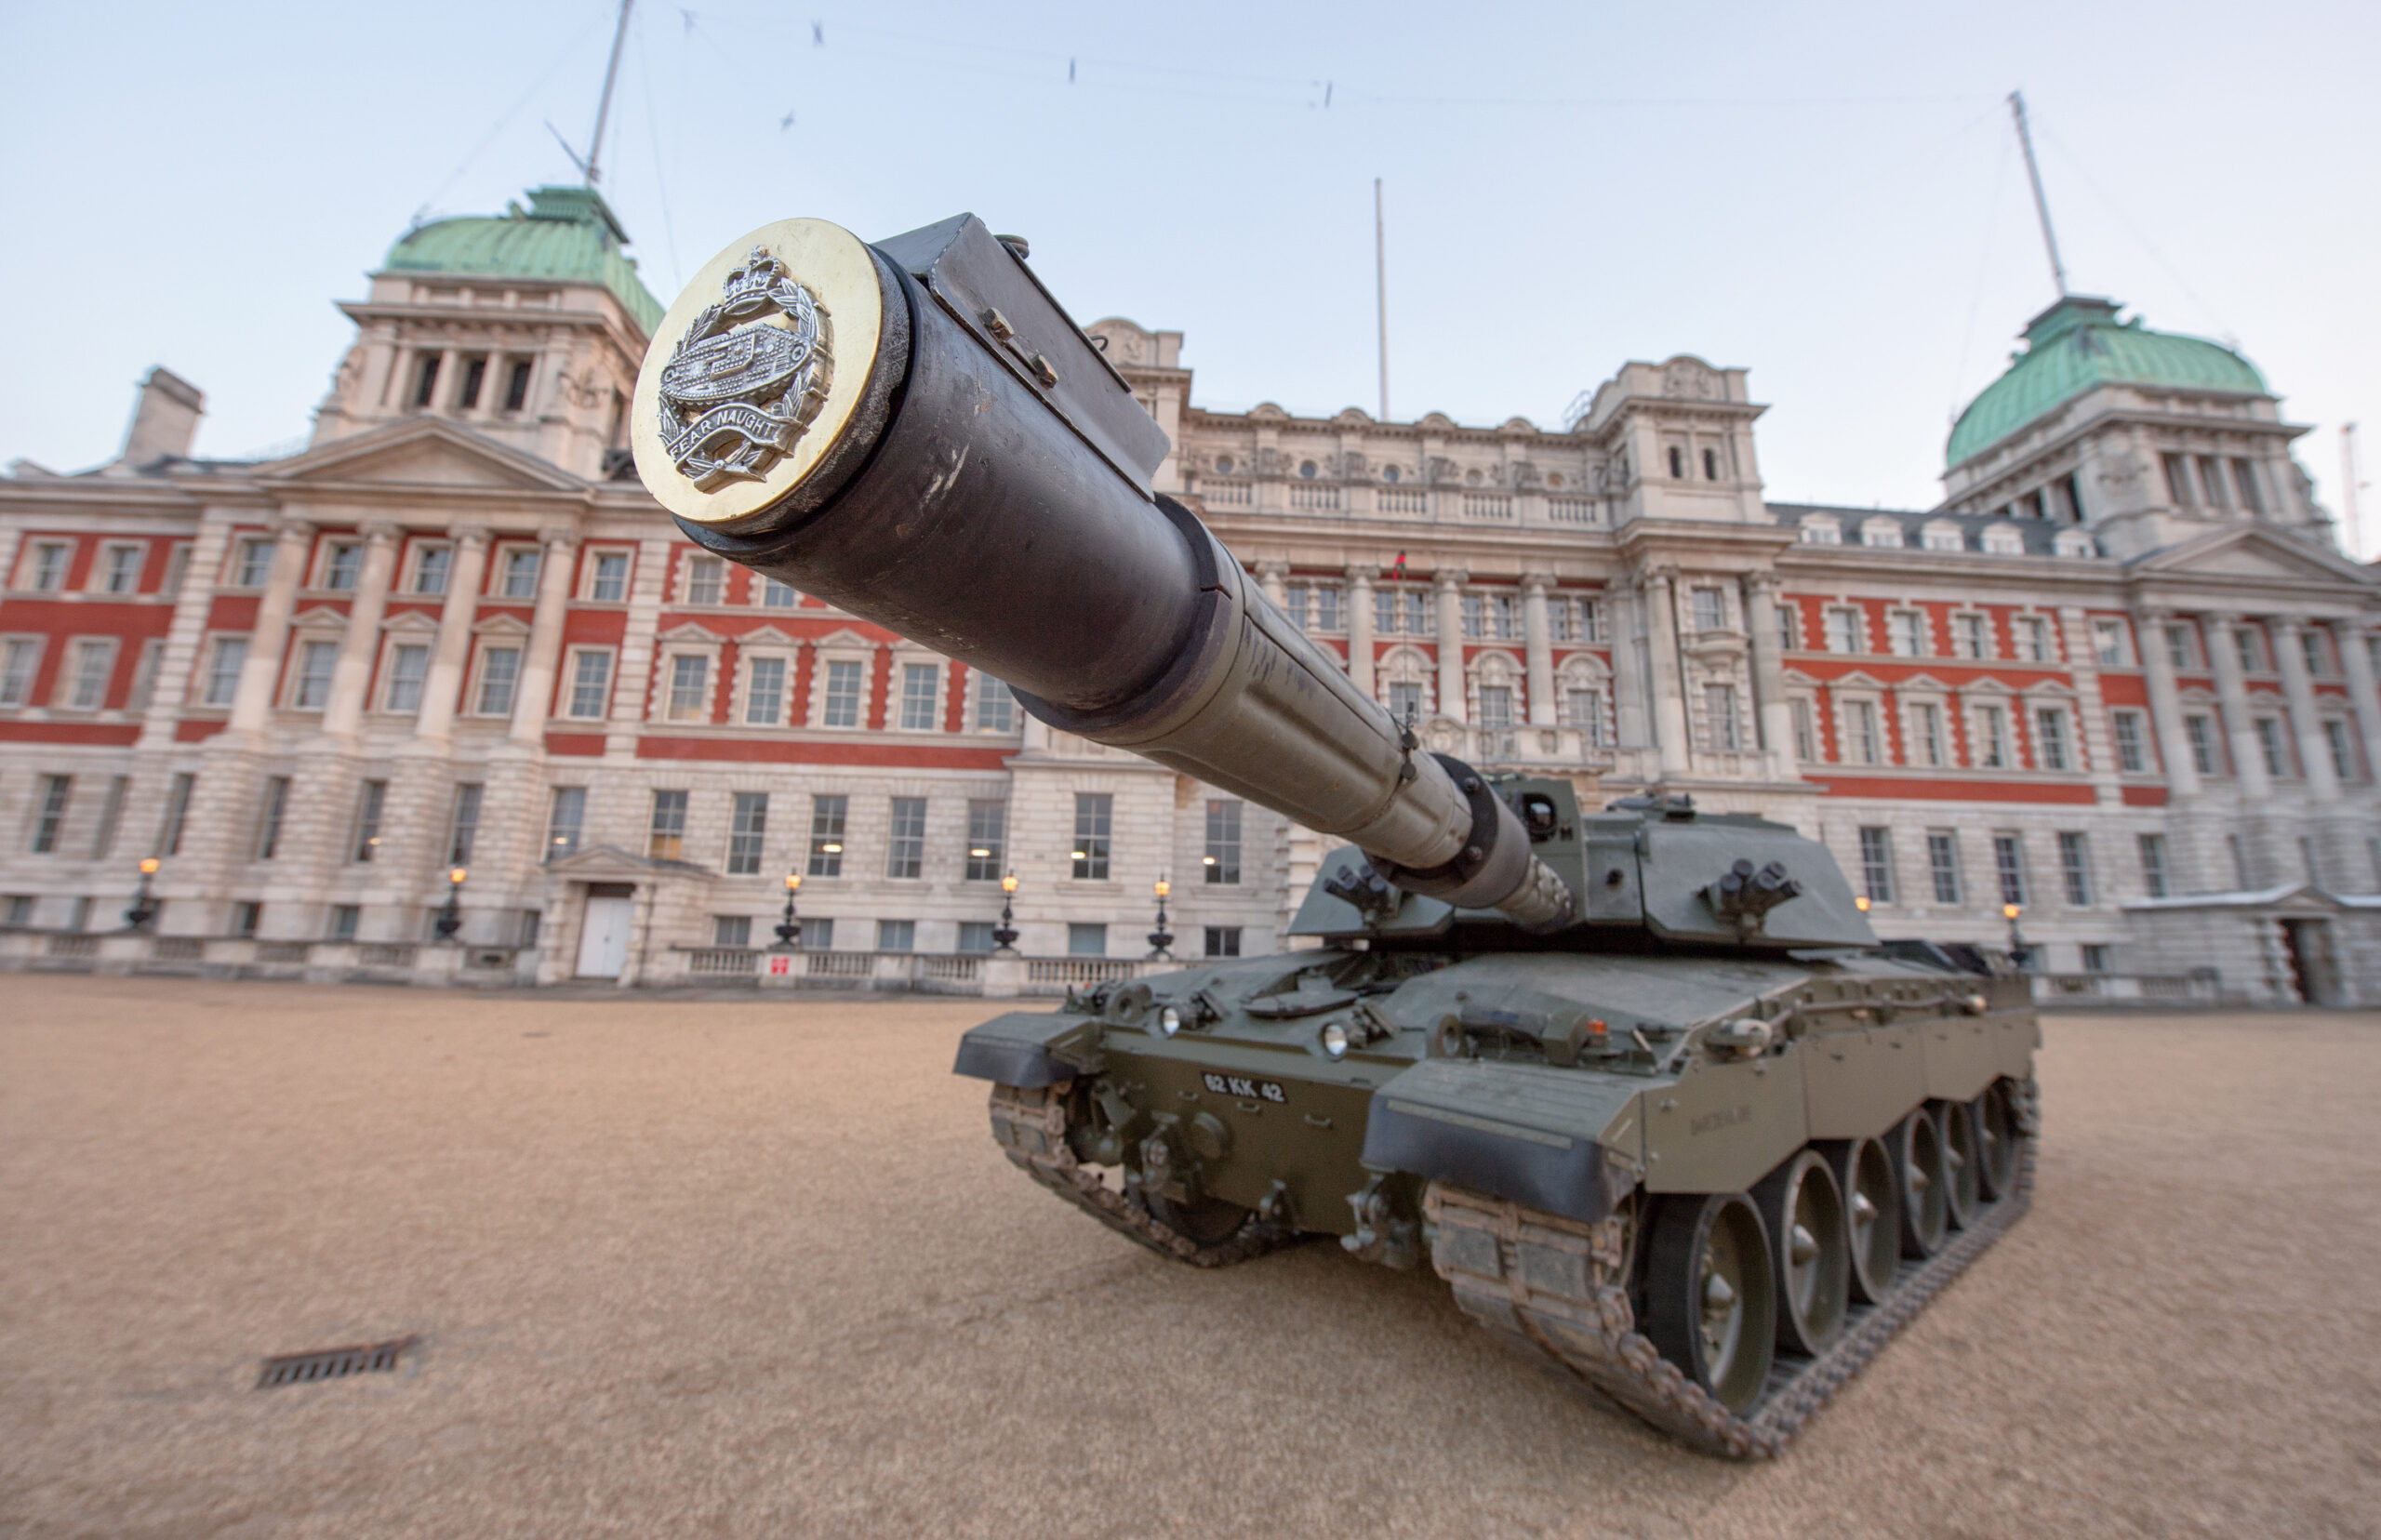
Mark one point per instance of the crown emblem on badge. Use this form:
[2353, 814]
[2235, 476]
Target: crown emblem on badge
[746, 378]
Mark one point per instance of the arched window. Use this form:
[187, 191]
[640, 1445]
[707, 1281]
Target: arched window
[1678, 463]
[1389, 473]
[1223, 464]
[1710, 465]
[1306, 469]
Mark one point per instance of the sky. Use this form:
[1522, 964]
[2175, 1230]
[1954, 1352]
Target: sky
[1827, 195]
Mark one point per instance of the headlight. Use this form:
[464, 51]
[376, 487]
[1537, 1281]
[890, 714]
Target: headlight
[1335, 1039]
[1169, 1021]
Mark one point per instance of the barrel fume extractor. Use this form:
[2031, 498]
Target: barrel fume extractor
[916, 432]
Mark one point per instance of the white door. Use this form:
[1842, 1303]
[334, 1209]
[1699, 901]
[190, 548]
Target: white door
[603, 937]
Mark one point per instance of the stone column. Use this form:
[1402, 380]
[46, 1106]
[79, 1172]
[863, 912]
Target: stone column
[1771, 710]
[1537, 634]
[2233, 697]
[252, 707]
[535, 700]
[1669, 690]
[2314, 753]
[1360, 628]
[2357, 659]
[442, 691]
[1452, 702]
[2166, 703]
[352, 674]
[1272, 576]
[1624, 616]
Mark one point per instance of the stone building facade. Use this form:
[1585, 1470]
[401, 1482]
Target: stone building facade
[2121, 676]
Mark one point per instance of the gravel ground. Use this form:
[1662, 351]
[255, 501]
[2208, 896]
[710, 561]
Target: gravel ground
[746, 1268]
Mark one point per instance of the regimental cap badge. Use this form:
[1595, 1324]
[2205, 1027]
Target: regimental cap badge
[746, 378]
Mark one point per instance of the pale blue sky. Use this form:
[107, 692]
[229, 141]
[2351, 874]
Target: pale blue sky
[1825, 194]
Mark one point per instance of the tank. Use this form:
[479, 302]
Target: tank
[1638, 1081]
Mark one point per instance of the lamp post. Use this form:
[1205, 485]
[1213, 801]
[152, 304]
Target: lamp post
[144, 906]
[1004, 933]
[2020, 952]
[790, 928]
[1861, 903]
[450, 917]
[1160, 937]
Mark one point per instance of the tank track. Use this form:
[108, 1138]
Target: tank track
[1031, 1127]
[1555, 1290]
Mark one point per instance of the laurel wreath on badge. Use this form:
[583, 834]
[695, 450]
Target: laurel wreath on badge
[740, 387]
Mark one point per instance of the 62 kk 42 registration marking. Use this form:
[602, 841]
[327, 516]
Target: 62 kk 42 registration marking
[1246, 1089]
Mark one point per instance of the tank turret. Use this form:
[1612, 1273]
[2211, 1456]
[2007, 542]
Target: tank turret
[1638, 1082]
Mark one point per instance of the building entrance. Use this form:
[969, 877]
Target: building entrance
[2314, 971]
[604, 933]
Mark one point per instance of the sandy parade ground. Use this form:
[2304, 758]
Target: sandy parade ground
[747, 1268]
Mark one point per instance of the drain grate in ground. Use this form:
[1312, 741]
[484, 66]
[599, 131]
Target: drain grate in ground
[378, 1358]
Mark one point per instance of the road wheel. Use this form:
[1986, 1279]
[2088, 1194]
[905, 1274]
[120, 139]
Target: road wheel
[1203, 1221]
[1710, 1294]
[1996, 1143]
[1916, 1148]
[1803, 1208]
[1864, 1173]
[1961, 1189]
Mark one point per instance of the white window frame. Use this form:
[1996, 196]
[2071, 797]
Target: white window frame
[388, 669]
[208, 657]
[1860, 614]
[69, 682]
[766, 645]
[569, 683]
[840, 650]
[1979, 624]
[1921, 640]
[978, 683]
[234, 577]
[483, 643]
[31, 566]
[39, 645]
[591, 566]
[417, 557]
[2028, 632]
[897, 689]
[103, 572]
[687, 564]
[1985, 746]
[293, 687]
[326, 556]
[1847, 740]
[2106, 627]
[499, 572]
[1914, 738]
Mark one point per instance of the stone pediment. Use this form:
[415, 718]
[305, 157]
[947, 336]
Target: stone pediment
[500, 625]
[410, 623]
[2288, 898]
[425, 452]
[2254, 553]
[604, 863]
[765, 636]
[691, 634]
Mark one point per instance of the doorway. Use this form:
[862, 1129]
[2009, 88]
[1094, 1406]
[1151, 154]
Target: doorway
[2314, 970]
[603, 933]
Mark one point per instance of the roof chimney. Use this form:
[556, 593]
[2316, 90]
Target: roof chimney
[165, 420]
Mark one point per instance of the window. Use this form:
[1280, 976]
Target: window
[842, 709]
[371, 799]
[1943, 538]
[344, 918]
[1385, 612]
[433, 565]
[1972, 639]
[1405, 699]
[745, 833]
[425, 380]
[2075, 869]
[1295, 604]
[1709, 609]
[144, 674]
[2246, 642]
[463, 829]
[1926, 732]
[1094, 811]
[2343, 757]
[905, 850]
[995, 706]
[2244, 480]
[1223, 941]
[1860, 729]
[1584, 709]
[49, 814]
[516, 388]
[2234, 848]
[1086, 940]
[2110, 644]
[608, 584]
[1943, 864]
[1877, 864]
[1992, 737]
[341, 567]
[665, 837]
[2033, 639]
[976, 935]
[49, 566]
[591, 683]
[276, 802]
[2182, 651]
[1880, 534]
[764, 692]
[731, 930]
[169, 828]
[1790, 627]
[2269, 744]
[1504, 619]
[2211, 483]
[20, 657]
[1328, 611]
[94, 663]
[1843, 630]
[2049, 737]
[2153, 865]
[919, 684]
[2009, 865]
[1820, 532]
[688, 677]
[2096, 957]
[2131, 758]
[2201, 734]
[565, 819]
[2310, 646]
[1806, 743]
[1474, 616]
[987, 841]
[120, 572]
[1678, 463]
[827, 836]
[1720, 717]
[110, 814]
[897, 936]
[1710, 465]
[408, 667]
[253, 567]
[246, 914]
[1418, 615]
[1908, 628]
[499, 670]
[521, 574]
[2178, 480]
[776, 596]
[706, 579]
[315, 661]
[1496, 708]
[1221, 861]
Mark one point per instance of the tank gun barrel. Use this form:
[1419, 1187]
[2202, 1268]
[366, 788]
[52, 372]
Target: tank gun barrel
[916, 432]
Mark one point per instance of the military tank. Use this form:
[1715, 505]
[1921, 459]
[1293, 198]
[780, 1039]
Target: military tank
[1639, 1083]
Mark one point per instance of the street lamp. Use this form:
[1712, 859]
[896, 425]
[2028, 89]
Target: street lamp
[1861, 903]
[144, 906]
[1160, 937]
[1004, 933]
[790, 928]
[2020, 952]
[450, 918]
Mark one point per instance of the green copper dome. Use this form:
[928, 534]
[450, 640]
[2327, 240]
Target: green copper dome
[569, 235]
[2078, 344]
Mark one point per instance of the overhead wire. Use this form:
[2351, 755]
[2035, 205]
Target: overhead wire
[505, 120]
